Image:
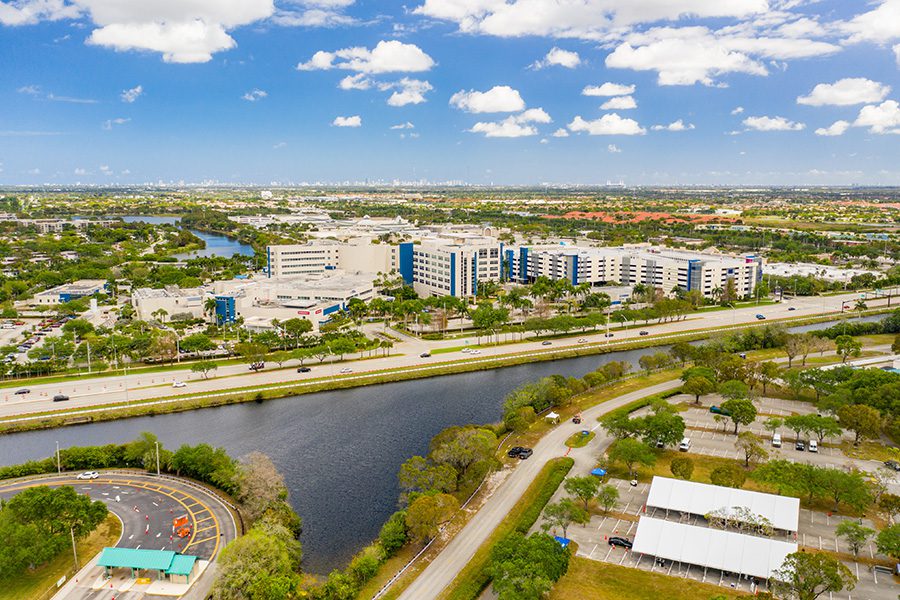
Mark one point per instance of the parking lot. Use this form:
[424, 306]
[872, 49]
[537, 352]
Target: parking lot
[816, 531]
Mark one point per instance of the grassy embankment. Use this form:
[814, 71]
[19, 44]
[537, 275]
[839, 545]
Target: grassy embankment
[41, 582]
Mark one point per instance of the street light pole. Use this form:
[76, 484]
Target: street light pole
[157, 458]
[58, 462]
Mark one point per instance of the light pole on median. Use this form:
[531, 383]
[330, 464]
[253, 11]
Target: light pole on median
[58, 462]
[157, 458]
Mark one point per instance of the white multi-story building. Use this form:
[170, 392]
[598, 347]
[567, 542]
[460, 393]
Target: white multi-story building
[327, 255]
[450, 266]
[175, 301]
[632, 265]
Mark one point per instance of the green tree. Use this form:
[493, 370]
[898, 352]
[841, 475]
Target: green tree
[698, 386]
[608, 497]
[631, 452]
[728, 475]
[888, 541]
[768, 374]
[251, 352]
[734, 390]
[752, 447]
[418, 474]
[808, 575]
[583, 488]
[664, 426]
[262, 563]
[840, 486]
[562, 514]
[742, 412]
[864, 421]
[847, 347]
[204, 367]
[855, 534]
[393, 534]
[682, 467]
[426, 514]
[525, 568]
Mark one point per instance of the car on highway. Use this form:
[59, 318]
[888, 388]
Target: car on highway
[303, 369]
[800, 446]
[609, 335]
[582, 340]
[892, 464]
[257, 366]
[425, 355]
[474, 351]
[620, 541]
[22, 392]
[465, 350]
[178, 384]
[88, 475]
[576, 419]
[346, 370]
[643, 332]
[760, 317]
[547, 343]
[790, 308]
[60, 398]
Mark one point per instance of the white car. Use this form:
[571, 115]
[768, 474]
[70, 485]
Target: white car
[346, 370]
[474, 351]
[582, 340]
[465, 350]
[179, 384]
[88, 475]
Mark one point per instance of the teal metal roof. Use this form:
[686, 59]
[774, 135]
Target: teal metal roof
[159, 560]
[182, 564]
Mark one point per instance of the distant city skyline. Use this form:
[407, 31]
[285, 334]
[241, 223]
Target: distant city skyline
[480, 92]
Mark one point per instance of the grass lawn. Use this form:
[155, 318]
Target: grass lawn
[387, 570]
[869, 450]
[593, 579]
[36, 584]
[578, 440]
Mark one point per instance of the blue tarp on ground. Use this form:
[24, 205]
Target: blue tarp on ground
[599, 472]
[564, 542]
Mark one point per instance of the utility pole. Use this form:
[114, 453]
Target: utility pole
[74, 551]
[89, 357]
[58, 462]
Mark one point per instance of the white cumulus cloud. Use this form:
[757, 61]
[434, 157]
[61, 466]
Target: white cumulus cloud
[880, 118]
[407, 91]
[678, 125]
[561, 133]
[608, 89]
[500, 98]
[406, 125]
[130, 95]
[386, 57]
[513, 126]
[354, 121]
[613, 149]
[608, 124]
[560, 58]
[772, 124]
[737, 110]
[619, 103]
[254, 95]
[835, 129]
[846, 92]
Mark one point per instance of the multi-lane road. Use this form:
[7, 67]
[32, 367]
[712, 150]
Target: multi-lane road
[87, 391]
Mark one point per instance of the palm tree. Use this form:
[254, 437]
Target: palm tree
[209, 308]
[160, 314]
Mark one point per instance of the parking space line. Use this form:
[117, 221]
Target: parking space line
[198, 542]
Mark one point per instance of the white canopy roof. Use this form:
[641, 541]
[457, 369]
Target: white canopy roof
[701, 498]
[713, 548]
[551, 415]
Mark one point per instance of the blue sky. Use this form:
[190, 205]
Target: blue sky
[482, 91]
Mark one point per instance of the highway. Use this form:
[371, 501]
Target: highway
[87, 391]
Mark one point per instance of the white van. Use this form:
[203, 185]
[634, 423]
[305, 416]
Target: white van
[813, 446]
[685, 445]
[776, 440]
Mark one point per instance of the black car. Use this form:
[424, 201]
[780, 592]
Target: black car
[525, 453]
[425, 355]
[547, 343]
[892, 464]
[609, 335]
[303, 369]
[60, 398]
[620, 541]
[643, 333]
[22, 391]
[514, 451]
[800, 446]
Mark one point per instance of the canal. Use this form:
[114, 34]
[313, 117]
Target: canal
[339, 450]
[216, 245]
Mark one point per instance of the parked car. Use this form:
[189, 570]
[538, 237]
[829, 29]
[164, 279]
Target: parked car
[776, 440]
[88, 475]
[514, 451]
[179, 384]
[22, 392]
[546, 343]
[892, 464]
[60, 398]
[425, 355]
[346, 370]
[718, 410]
[800, 446]
[303, 369]
[642, 332]
[813, 446]
[685, 445]
[525, 453]
[620, 541]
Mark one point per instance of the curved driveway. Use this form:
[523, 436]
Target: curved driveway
[147, 505]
